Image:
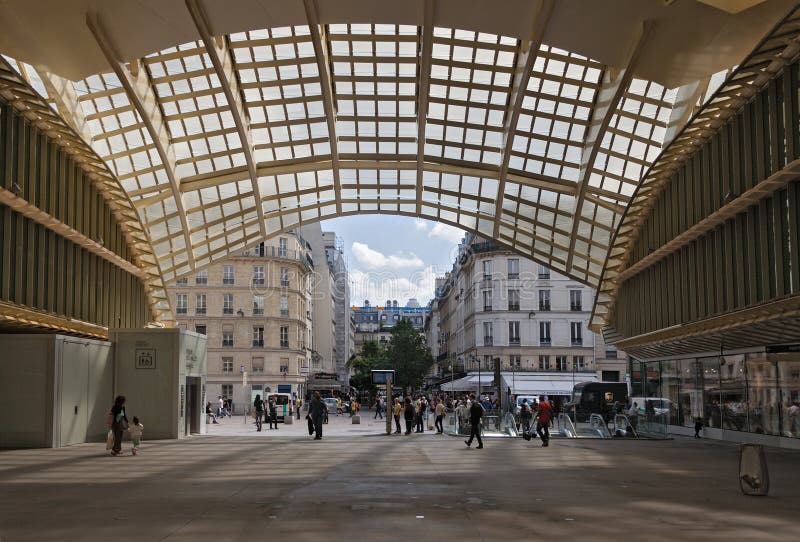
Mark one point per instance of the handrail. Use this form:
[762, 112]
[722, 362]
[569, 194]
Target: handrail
[597, 423]
[625, 422]
[566, 427]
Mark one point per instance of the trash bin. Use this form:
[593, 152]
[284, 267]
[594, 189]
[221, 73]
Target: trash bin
[355, 419]
[753, 473]
[288, 419]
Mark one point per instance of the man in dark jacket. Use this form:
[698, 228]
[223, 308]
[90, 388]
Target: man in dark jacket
[317, 412]
[475, 415]
[273, 413]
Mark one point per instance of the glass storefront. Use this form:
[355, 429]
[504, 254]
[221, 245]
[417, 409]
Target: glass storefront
[753, 392]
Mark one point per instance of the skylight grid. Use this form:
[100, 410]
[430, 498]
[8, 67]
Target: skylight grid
[374, 76]
[633, 138]
[292, 197]
[548, 138]
[119, 135]
[196, 110]
[470, 82]
[280, 82]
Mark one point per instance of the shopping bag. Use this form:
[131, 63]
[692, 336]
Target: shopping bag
[310, 425]
[110, 440]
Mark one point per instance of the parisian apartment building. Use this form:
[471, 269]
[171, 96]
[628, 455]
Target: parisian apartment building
[374, 323]
[495, 303]
[255, 308]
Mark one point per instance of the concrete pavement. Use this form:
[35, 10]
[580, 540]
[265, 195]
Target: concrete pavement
[353, 485]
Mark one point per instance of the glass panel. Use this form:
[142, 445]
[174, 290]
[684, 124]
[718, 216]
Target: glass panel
[732, 392]
[670, 386]
[691, 395]
[762, 395]
[789, 380]
[708, 369]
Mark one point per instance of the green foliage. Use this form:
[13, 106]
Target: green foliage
[408, 354]
[372, 356]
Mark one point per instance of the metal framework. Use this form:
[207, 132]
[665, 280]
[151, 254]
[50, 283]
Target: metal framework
[210, 146]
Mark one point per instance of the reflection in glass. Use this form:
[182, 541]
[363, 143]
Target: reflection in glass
[762, 395]
[789, 379]
[690, 402]
[732, 392]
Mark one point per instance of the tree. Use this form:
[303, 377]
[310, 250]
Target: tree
[408, 354]
[372, 356]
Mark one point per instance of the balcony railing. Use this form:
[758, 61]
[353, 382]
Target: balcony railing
[487, 308]
[576, 308]
[545, 342]
[514, 341]
[258, 312]
[258, 343]
[577, 342]
[258, 282]
[513, 275]
[200, 311]
[487, 341]
[275, 252]
[181, 310]
[544, 306]
[284, 344]
[227, 344]
[227, 311]
[544, 275]
[513, 306]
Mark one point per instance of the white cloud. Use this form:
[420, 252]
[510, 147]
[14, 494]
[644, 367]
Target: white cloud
[378, 286]
[420, 225]
[374, 259]
[446, 232]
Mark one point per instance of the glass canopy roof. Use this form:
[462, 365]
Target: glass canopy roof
[220, 142]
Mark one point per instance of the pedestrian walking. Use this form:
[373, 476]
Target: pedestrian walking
[409, 415]
[258, 405]
[118, 423]
[378, 408]
[421, 406]
[439, 417]
[297, 404]
[698, 426]
[396, 408]
[476, 412]
[136, 430]
[544, 415]
[525, 416]
[317, 411]
[273, 413]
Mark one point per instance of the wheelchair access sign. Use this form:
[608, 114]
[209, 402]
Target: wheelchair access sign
[145, 358]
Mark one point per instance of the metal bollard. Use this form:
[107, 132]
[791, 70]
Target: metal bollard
[753, 473]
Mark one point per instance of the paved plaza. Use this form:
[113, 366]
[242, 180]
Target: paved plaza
[234, 484]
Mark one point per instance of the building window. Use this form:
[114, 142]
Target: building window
[611, 353]
[513, 300]
[515, 361]
[487, 269]
[284, 365]
[227, 365]
[260, 250]
[576, 335]
[227, 338]
[258, 336]
[202, 277]
[487, 300]
[227, 303]
[284, 277]
[201, 329]
[561, 363]
[258, 305]
[282, 247]
[575, 301]
[227, 274]
[513, 333]
[258, 275]
[258, 365]
[513, 268]
[578, 363]
[284, 337]
[488, 340]
[200, 306]
[544, 363]
[544, 272]
[284, 306]
[181, 304]
[183, 281]
[544, 300]
[227, 390]
[544, 334]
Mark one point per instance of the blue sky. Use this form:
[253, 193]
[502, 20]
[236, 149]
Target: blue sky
[394, 257]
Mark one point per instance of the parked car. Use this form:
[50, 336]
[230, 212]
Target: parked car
[331, 404]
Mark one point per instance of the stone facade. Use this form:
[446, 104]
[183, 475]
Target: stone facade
[265, 288]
